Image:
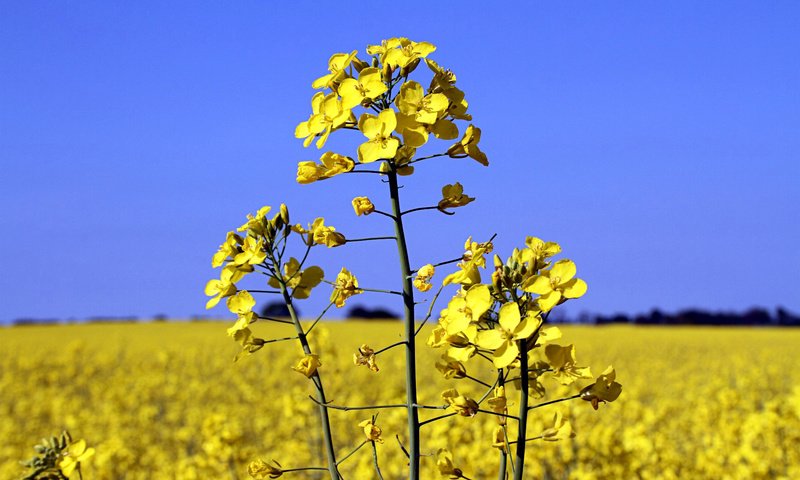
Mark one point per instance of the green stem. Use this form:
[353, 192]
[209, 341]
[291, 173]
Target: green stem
[323, 410]
[540, 405]
[367, 239]
[352, 452]
[440, 417]
[408, 302]
[375, 456]
[501, 475]
[365, 407]
[478, 381]
[519, 456]
[389, 347]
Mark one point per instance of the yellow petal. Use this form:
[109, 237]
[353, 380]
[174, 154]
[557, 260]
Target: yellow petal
[564, 270]
[478, 299]
[527, 327]
[509, 316]
[505, 355]
[538, 284]
[575, 288]
[490, 339]
[550, 300]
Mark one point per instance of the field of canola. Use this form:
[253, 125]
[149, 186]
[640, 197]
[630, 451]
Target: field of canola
[165, 400]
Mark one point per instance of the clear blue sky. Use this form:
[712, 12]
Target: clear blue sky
[658, 142]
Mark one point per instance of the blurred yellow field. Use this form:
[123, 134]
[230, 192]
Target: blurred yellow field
[165, 400]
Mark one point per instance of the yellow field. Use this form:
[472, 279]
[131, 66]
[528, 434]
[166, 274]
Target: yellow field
[165, 401]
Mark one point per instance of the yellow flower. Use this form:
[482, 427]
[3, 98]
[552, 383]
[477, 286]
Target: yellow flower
[463, 310]
[562, 361]
[328, 114]
[540, 251]
[307, 172]
[75, 454]
[300, 281]
[453, 196]
[345, 287]
[368, 87]
[423, 108]
[503, 339]
[252, 253]
[260, 470]
[604, 389]
[241, 303]
[444, 462]
[407, 52]
[385, 46]
[365, 356]
[468, 146]
[499, 439]
[555, 284]
[473, 258]
[242, 322]
[441, 76]
[444, 129]
[464, 406]
[423, 279]
[363, 206]
[256, 224]
[499, 404]
[321, 234]
[371, 431]
[332, 164]
[336, 66]
[249, 343]
[561, 429]
[547, 335]
[308, 365]
[414, 134]
[404, 155]
[451, 368]
[227, 250]
[380, 144]
[219, 289]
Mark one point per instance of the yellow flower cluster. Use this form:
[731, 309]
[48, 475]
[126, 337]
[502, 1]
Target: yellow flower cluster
[493, 317]
[394, 124]
[700, 403]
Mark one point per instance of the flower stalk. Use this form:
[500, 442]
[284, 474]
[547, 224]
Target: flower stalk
[408, 303]
[330, 452]
[519, 455]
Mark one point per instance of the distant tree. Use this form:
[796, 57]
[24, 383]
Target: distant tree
[376, 313]
[277, 309]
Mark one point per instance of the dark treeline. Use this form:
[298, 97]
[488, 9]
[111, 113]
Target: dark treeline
[780, 317]
[755, 316]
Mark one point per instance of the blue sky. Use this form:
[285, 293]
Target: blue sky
[656, 141]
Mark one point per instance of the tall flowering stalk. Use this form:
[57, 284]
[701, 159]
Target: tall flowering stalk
[501, 321]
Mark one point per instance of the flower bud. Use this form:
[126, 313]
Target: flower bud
[359, 64]
[386, 73]
[412, 65]
[285, 213]
[363, 206]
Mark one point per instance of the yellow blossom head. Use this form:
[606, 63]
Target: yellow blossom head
[308, 365]
[363, 206]
[346, 286]
[261, 470]
[604, 389]
[371, 431]
[464, 406]
[422, 282]
[365, 356]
